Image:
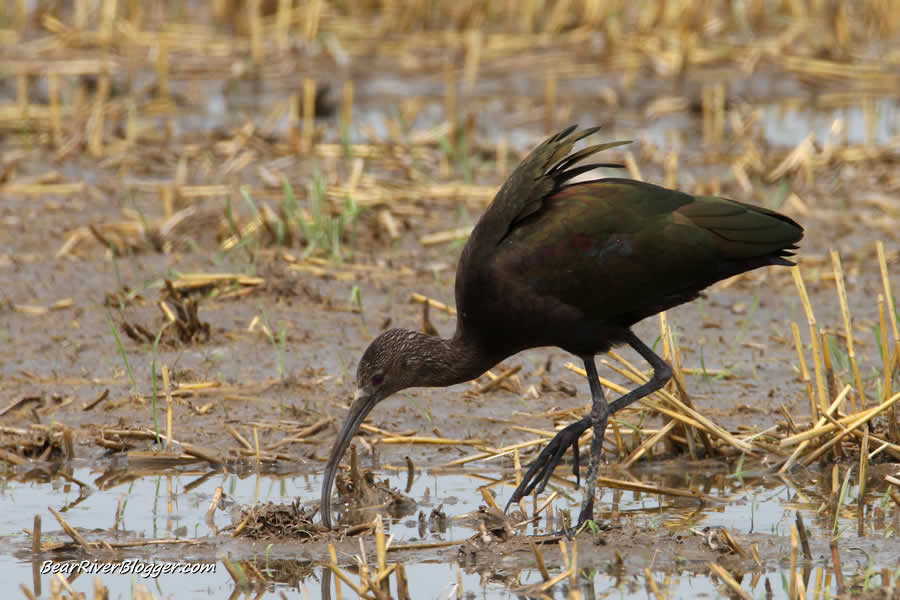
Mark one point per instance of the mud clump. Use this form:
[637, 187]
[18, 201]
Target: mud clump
[270, 520]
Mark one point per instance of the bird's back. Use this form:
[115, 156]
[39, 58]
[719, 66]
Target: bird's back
[594, 258]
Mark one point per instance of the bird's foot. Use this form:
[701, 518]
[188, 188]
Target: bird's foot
[539, 471]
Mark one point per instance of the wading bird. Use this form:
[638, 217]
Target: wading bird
[573, 265]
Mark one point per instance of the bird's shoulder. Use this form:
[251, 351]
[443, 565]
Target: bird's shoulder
[593, 210]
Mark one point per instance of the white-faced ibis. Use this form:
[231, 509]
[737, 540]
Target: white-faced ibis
[573, 265]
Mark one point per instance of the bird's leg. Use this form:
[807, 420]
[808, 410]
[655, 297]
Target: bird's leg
[662, 372]
[599, 416]
[539, 472]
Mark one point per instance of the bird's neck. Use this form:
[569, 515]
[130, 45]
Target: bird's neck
[450, 361]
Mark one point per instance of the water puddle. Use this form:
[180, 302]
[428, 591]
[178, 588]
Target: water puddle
[172, 506]
[789, 124]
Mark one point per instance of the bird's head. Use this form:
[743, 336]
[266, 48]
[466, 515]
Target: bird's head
[391, 363]
[388, 365]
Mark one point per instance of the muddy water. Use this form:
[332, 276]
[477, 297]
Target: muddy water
[757, 509]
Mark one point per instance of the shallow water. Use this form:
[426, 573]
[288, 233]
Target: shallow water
[789, 124]
[172, 505]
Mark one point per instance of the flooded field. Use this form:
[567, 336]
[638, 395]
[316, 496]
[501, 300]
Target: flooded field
[673, 538]
[209, 209]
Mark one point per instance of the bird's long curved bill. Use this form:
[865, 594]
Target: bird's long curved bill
[359, 409]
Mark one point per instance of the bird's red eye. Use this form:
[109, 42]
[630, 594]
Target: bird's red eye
[377, 379]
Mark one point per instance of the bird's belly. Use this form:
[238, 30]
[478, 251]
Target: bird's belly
[510, 315]
[550, 325]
